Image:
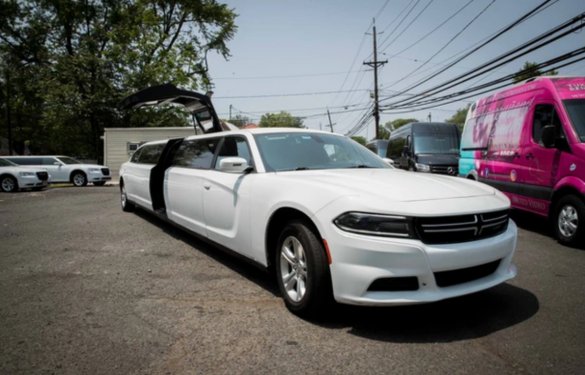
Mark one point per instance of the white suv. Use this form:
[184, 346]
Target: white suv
[66, 169]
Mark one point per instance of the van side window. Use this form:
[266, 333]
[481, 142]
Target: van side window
[395, 148]
[196, 153]
[545, 114]
[234, 147]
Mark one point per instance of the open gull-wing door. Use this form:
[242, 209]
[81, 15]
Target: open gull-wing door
[197, 104]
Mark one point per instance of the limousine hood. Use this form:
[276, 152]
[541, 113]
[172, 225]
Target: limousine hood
[390, 184]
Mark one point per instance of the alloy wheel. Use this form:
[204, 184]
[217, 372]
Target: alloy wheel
[293, 268]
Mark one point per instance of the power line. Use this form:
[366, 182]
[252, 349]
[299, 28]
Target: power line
[407, 26]
[453, 97]
[498, 61]
[515, 23]
[282, 95]
[410, 45]
[448, 42]
[286, 76]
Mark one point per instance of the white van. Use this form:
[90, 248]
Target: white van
[66, 169]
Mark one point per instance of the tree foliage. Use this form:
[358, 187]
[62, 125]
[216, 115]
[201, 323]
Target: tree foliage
[280, 120]
[239, 120]
[70, 63]
[359, 139]
[529, 70]
[459, 117]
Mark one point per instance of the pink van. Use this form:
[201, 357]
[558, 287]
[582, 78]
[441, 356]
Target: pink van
[529, 142]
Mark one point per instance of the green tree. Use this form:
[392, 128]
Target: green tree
[280, 120]
[459, 117]
[239, 120]
[530, 70]
[383, 133]
[395, 124]
[71, 63]
[359, 139]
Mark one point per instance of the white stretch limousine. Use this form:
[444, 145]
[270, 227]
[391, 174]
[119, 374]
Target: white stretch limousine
[327, 216]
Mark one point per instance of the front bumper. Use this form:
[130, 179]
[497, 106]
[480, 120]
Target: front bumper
[359, 260]
[97, 176]
[29, 182]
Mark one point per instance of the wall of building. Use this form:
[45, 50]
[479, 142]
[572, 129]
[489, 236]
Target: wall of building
[117, 141]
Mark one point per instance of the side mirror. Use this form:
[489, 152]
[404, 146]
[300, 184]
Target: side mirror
[233, 165]
[548, 136]
[57, 163]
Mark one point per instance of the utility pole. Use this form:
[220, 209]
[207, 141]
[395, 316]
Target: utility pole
[375, 64]
[330, 123]
[430, 117]
[230, 113]
[8, 120]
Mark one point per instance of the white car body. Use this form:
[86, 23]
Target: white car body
[65, 169]
[239, 210]
[14, 177]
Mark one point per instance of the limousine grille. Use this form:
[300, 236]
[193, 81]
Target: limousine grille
[43, 176]
[445, 169]
[465, 275]
[452, 229]
[106, 171]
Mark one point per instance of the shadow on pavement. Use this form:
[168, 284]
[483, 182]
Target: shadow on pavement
[462, 318]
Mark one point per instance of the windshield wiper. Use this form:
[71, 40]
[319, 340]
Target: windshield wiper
[361, 166]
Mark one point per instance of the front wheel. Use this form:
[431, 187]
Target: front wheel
[127, 206]
[8, 184]
[570, 220]
[302, 271]
[79, 179]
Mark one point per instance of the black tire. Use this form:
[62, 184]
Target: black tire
[78, 179]
[99, 183]
[8, 184]
[569, 220]
[127, 206]
[306, 266]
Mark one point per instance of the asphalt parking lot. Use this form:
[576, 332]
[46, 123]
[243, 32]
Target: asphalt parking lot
[88, 289]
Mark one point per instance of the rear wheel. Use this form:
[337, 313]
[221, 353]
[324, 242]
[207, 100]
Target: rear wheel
[79, 179]
[569, 220]
[8, 184]
[302, 271]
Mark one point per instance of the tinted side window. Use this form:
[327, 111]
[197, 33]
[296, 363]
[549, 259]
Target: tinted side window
[50, 161]
[545, 114]
[150, 154]
[26, 161]
[196, 153]
[136, 156]
[234, 147]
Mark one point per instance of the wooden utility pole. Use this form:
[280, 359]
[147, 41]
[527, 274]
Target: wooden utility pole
[330, 123]
[375, 64]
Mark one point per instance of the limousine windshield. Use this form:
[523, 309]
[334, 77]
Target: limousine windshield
[301, 151]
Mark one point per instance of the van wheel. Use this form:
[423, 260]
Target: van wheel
[569, 220]
[8, 184]
[79, 179]
[302, 271]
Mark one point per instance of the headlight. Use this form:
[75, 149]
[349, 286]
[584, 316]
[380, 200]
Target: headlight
[26, 174]
[375, 225]
[94, 170]
[423, 167]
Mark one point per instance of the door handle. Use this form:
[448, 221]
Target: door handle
[207, 187]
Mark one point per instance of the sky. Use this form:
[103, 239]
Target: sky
[305, 57]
